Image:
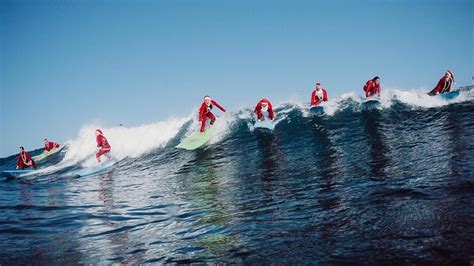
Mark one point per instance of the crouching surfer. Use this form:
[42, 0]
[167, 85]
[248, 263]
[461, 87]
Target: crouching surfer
[264, 110]
[319, 95]
[444, 84]
[102, 144]
[372, 87]
[205, 112]
[24, 160]
[49, 145]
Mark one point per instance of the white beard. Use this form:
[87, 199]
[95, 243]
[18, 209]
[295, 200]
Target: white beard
[320, 94]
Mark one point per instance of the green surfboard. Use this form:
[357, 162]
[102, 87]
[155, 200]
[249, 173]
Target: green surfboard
[45, 154]
[196, 140]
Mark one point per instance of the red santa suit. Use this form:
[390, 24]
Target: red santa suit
[264, 113]
[205, 113]
[102, 143]
[444, 85]
[317, 97]
[50, 145]
[24, 161]
[371, 88]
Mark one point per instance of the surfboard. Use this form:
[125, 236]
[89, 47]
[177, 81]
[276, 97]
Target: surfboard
[449, 95]
[15, 173]
[265, 125]
[370, 104]
[93, 170]
[317, 110]
[197, 139]
[44, 155]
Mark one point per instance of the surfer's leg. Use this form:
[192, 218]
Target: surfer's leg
[212, 117]
[203, 124]
[98, 154]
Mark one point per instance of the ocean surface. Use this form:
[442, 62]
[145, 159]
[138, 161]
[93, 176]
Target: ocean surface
[388, 186]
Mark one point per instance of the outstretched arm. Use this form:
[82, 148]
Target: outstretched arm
[217, 105]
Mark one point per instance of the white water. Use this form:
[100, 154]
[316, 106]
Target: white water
[135, 141]
[414, 98]
[125, 142]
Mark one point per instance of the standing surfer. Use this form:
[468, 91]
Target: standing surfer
[444, 84]
[319, 95]
[205, 112]
[24, 160]
[264, 110]
[372, 87]
[102, 144]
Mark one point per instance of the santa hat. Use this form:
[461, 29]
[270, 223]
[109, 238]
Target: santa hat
[450, 73]
[100, 131]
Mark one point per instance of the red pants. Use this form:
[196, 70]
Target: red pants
[101, 152]
[203, 122]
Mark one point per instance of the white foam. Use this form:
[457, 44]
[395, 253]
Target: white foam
[135, 141]
[223, 126]
[125, 142]
[420, 98]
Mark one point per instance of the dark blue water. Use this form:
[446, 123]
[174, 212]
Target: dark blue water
[391, 186]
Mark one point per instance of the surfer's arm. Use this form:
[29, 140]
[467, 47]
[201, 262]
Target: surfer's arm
[28, 160]
[217, 105]
[257, 111]
[313, 98]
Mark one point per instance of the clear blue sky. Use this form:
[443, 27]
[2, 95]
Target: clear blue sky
[65, 63]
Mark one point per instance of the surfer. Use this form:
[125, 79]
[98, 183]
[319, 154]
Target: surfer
[49, 145]
[444, 84]
[205, 112]
[319, 95]
[264, 110]
[24, 160]
[102, 144]
[372, 87]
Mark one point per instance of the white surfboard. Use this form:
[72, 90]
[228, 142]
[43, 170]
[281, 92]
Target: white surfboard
[265, 125]
[371, 103]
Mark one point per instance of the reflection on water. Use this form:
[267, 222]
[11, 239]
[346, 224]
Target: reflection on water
[379, 151]
[119, 243]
